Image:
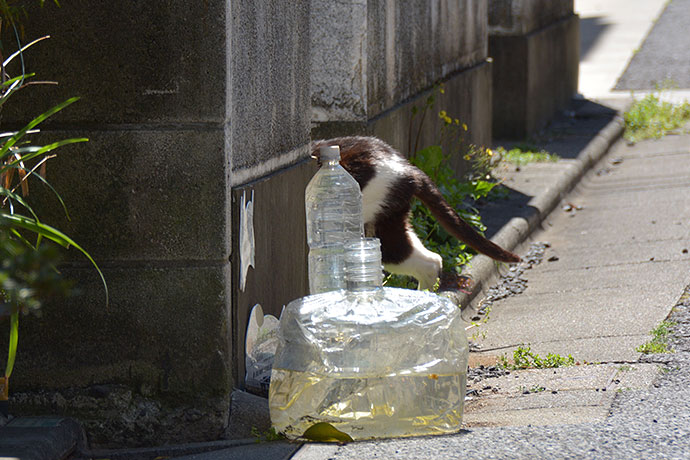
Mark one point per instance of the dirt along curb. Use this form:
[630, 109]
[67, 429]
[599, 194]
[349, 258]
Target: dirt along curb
[483, 271]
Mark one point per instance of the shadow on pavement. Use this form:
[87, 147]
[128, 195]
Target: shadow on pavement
[591, 30]
[566, 136]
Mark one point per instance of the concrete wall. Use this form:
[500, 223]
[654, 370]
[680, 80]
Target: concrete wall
[384, 57]
[190, 193]
[519, 17]
[185, 103]
[534, 45]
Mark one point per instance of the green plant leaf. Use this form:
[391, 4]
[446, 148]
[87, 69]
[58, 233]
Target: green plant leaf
[19, 78]
[325, 432]
[14, 338]
[429, 159]
[53, 234]
[18, 198]
[5, 150]
[57, 195]
[35, 151]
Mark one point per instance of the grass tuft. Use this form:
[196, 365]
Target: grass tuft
[522, 155]
[524, 358]
[659, 341]
[652, 118]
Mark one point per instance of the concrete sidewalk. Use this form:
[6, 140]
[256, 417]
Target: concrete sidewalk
[617, 264]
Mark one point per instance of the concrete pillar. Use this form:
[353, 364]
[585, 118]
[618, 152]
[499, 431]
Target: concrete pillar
[372, 61]
[534, 45]
[187, 105]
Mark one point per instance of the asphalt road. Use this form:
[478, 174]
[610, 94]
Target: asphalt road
[664, 57]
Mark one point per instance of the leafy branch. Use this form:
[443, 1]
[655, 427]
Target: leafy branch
[28, 273]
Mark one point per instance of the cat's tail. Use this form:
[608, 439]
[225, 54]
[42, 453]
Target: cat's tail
[429, 194]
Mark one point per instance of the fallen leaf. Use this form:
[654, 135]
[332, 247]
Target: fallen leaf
[325, 432]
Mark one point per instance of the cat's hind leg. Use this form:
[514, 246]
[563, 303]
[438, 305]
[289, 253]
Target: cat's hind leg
[421, 263]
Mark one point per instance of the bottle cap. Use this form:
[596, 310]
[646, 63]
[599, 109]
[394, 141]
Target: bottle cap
[330, 153]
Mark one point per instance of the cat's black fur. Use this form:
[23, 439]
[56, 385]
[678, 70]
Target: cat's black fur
[388, 182]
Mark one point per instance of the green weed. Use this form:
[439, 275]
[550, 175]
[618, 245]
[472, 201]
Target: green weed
[651, 118]
[659, 341]
[265, 436]
[524, 358]
[524, 154]
[459, 193]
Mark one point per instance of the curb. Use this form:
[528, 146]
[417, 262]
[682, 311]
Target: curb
[518, 229]
[40, 438]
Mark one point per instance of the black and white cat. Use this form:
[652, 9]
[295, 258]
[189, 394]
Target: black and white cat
[388, 182]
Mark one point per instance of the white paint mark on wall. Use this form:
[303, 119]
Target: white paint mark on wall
[162, 92]
[246, 237]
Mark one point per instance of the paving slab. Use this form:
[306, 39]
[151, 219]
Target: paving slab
[615, 348]
[577, 394]
[612, 255]
[617, 259]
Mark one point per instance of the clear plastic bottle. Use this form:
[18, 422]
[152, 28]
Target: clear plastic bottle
[333, 203]
[373, 362]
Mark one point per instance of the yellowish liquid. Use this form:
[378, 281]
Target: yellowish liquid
[367, 407]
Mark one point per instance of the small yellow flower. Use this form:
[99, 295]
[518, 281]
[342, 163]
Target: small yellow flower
[442, 114]
[464, 126]
[489, 152]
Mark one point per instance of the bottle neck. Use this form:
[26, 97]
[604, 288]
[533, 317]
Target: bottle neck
[363, 271]
[330, 155]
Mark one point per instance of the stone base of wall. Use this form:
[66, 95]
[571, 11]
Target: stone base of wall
[117, 416]
[534, 76]
[168, 382]
[466, 96]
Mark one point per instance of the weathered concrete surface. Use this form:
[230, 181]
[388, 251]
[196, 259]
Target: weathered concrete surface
[412, 46]
[535, 75]
[466, 97]
[519, 17]
[189, 101]
[634, 208]
[537, 188]
[553, 396]
[170, 70]
[339, 60]
[373, 61]
[268, 100]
